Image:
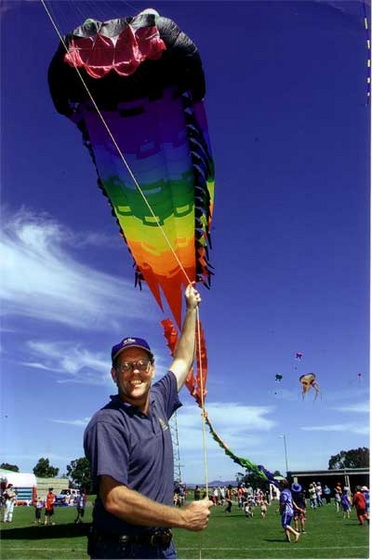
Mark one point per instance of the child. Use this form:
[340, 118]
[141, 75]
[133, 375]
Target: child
[263, 506]
[80, 506]
[39, 504]
[345, 502]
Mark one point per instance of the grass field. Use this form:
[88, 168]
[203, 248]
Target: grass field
[228, 536]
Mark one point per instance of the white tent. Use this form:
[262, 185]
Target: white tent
[25, 484]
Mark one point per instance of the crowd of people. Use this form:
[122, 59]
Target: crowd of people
[41, 505]
[48, 505]
[293, 502]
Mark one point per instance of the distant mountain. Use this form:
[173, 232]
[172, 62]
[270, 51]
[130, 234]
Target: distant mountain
[212, 484]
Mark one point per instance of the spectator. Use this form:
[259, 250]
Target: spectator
[228, 498]
[80, 506]
[39, 504]
[359, 502]
[327, 494]
[197, 493]
[319, 494]
[286, 508]
[345, 502]
[338, 494]
[299, 500]
[10, 497]
[49, 507]
[263, 506]
[365, 491]
[312, 496]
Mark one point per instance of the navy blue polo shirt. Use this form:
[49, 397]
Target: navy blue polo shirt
[134, 448]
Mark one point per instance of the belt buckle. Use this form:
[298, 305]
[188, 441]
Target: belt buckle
[161, 538]
[123, 539]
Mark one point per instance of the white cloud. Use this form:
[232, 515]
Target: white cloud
[41, 280]
[362, 407]
[237, 425]
[69, 361]
[345, 427]
[80, 423]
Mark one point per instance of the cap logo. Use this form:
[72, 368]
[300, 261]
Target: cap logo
[128, 341]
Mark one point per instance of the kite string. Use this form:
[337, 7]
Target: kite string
[202, 406]
[117, 147]
[202, 400]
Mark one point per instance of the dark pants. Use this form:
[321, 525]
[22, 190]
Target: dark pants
[102, 548]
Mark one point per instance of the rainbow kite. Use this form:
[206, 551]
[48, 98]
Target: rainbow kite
[135, 87]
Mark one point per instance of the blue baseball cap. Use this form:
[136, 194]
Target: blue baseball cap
[130, 342]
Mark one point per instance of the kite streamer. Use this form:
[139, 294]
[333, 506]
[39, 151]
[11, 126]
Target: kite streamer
[135, 87]
[195, 382]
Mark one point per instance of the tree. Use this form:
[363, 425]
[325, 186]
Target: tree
[252, 479]
[9, 467]
[79, 472]
[43, 469]
[352, 459]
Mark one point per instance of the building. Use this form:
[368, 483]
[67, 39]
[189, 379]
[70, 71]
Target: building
[347, 477]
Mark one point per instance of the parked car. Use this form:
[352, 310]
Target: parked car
[67, 497]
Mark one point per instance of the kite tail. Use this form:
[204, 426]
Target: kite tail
[243, 462]
[196, 383]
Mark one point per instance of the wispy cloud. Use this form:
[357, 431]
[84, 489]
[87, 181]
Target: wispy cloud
[42, 280]
[235, 424]
[69, 362]
[356, 428]
[362, 407]
[79, 423]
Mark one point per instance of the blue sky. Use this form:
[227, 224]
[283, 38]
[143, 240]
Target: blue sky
[289, 125]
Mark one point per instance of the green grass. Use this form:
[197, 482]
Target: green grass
[228, 536]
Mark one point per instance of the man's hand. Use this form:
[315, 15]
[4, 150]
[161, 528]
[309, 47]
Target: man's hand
[192, 296]
[196, 515]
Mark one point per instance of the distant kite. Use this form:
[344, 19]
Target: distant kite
[298, 355]
[278, 377]
[308, 381]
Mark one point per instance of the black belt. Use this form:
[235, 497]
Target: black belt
[161, 537]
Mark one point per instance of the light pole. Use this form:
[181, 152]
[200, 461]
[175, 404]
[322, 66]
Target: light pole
[285, 453]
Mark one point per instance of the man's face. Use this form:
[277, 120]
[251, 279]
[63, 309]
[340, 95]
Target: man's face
[133, 375]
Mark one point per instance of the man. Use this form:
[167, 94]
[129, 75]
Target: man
[129, 446]
[10, 498]
[286, 508]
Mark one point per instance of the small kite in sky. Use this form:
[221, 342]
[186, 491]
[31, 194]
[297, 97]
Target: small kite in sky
[278, 377]
[308, 381]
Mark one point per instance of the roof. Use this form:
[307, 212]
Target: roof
[330, 472]
[19, 480]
